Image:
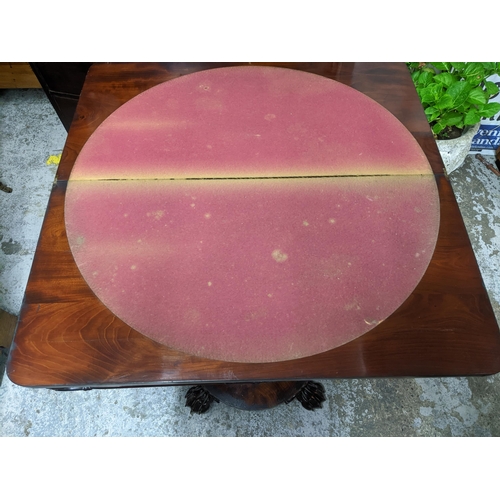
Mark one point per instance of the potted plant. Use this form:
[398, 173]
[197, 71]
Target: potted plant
[455, 97]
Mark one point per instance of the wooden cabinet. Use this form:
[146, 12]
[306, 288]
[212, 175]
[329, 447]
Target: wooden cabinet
[62, 82]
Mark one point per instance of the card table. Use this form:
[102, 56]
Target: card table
[76, 330]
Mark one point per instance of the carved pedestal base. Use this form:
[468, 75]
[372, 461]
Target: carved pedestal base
[257, 396]
[199, 399]
[311, 396]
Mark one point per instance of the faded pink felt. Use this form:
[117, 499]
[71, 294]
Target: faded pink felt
[242, 251]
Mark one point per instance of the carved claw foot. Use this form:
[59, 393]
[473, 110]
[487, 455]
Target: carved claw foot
[199, 399]
[311, 396]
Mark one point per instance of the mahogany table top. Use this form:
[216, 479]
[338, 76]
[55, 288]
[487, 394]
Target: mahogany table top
[67, 337]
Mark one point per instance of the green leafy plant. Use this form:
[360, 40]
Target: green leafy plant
[455, 95]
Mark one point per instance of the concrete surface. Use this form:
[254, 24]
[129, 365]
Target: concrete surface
[29, 134]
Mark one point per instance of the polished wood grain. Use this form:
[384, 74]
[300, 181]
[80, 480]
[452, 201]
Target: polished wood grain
[257, 396]
[67, 338]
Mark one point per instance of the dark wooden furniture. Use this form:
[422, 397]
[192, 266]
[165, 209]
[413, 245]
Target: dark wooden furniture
[62, 83]
[66, 338]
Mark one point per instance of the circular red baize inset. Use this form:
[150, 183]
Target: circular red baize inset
[252, 214]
